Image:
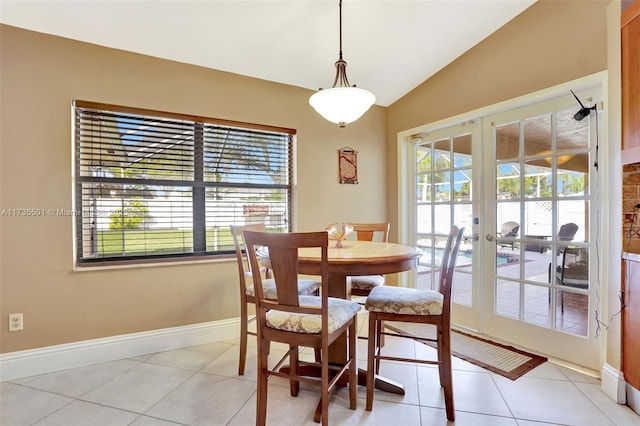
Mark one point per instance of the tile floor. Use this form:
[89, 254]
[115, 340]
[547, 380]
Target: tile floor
[199, 386]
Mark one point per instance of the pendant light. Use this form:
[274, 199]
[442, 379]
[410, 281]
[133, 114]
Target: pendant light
[343, 103]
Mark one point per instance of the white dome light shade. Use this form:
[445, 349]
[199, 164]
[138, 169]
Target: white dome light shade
[342, 105]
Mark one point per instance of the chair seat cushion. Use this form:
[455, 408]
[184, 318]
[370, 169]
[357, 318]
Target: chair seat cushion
[367, 282]
[305, 287]
[340, 312]
[407, 301]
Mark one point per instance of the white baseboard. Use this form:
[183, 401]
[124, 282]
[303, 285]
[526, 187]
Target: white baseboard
[633, 398]
[613, 384]
[31, 362]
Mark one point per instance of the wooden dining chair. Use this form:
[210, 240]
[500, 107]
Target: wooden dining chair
[416, 306]
[362, 285]
[247, 290]
[299, 320]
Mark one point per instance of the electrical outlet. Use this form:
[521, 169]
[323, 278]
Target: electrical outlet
[15, 322]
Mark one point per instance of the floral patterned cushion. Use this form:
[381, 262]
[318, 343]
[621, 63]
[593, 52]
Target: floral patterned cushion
[367, 282]
[305, 287]
[408, 301]
[340, 312]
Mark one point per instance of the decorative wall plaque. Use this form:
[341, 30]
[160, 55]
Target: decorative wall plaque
[348, 165]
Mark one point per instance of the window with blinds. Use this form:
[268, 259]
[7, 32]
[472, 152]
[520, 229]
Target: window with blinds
[155, 185]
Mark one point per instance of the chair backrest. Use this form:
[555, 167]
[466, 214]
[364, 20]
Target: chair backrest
[448, 265]
[567, 232]
[244, 268]
[283, 257]
[367, 231]
[510, 229]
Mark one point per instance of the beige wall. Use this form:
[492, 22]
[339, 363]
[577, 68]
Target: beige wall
[549, 43]
[40, 76]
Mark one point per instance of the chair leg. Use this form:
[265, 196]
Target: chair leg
[353, 369]
[446, 374]
[378, 334]
[293, 370]
[244, 320]
[371, 356]
[440, 348]
[261, 400]
[324, 387]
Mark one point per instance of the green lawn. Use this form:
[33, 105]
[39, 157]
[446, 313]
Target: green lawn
[158, 241]
[162, 241]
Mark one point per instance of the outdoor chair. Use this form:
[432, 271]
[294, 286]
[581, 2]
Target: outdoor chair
[411, 305]
[299, 320]
[567, 232]
[247, 290]
[509, 229]
[574, 270]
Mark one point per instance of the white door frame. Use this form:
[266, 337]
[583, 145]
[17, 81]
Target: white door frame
[406, 178]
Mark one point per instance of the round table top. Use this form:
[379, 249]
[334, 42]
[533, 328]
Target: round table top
[358, 258]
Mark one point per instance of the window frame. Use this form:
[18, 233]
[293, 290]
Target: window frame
[197, 183]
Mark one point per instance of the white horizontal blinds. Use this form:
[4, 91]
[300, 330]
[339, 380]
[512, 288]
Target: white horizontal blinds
[247, 176]
[162, 185]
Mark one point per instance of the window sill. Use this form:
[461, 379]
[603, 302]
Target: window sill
[150, 263]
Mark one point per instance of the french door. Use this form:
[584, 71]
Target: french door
[524, 184]
[541, 279]
[445, 174]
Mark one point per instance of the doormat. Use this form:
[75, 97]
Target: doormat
[505, 360]
[501, 359]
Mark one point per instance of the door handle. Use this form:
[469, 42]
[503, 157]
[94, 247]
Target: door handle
[476, 237]
[489, 237]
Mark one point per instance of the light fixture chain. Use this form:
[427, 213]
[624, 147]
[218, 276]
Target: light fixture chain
[340, 7]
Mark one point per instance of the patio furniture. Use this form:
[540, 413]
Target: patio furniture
[574, 270]
[509, 229]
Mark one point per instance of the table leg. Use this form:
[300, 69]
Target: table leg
[340, 286]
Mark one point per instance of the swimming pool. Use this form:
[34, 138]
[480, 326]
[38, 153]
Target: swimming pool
[465, 257]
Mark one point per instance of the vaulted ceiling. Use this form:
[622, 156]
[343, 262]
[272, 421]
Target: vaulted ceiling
[390, 46]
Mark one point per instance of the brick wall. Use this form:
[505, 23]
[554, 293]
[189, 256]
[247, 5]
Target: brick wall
[630, 214]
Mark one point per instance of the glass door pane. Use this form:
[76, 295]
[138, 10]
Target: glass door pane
[540, 290]
[444, 173]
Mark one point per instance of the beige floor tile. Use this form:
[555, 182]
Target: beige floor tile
[383, 414]
[152, 421]
[204, 399]
[438, 417]
[76, 382]
[165, 389]
[24, 406]
[80, 413]
[620, 415]
[552, 401]
[401, 373]
[472, 392]
[139, 388]
[282, 408]
[191, 358]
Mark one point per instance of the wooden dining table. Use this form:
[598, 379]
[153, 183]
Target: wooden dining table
[355, 258]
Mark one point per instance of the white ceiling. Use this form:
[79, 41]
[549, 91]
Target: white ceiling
[390, 46]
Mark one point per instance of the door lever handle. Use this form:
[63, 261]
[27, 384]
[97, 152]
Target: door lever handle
[489, 237]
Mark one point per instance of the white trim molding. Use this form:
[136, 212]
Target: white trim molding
[31, 362]
[613, 384]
